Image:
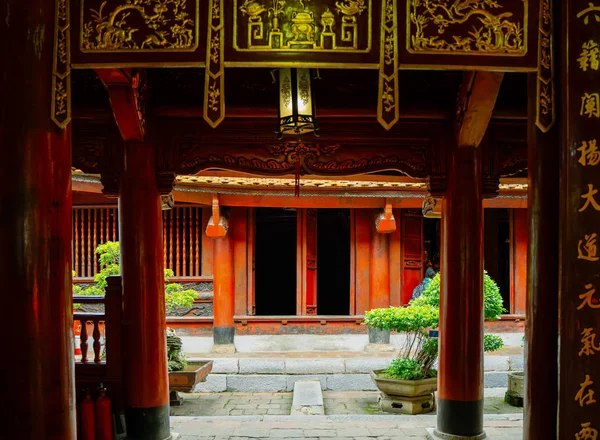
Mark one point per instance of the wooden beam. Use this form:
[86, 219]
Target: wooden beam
[475, 104]
[125, 93]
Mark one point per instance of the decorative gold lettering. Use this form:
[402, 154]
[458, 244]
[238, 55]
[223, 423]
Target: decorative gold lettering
[583, 396]
[588, 251]
[588, 298]
[589, 199]
[590, 10]
[589, 56]
[588, 342]
[589, 153]
[586, 432]
[590, 105]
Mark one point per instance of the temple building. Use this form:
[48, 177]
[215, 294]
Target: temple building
[298, 163]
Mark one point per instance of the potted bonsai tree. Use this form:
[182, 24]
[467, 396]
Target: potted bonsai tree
[408, 384]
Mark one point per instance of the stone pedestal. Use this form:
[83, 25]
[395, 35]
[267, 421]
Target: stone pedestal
[407, 405]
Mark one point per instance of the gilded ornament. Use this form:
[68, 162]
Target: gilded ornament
[296, 25]
[140, 25]
[387, 108]
[545, 111]
[214, 82]
[60, 111]
[437, 26]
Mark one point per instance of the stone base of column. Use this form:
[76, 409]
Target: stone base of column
[223, 348]
[148, 423]
[432, 434]
[375, 348]
[457, 419]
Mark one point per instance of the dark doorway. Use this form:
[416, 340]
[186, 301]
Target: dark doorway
[333, 262]
[497, 250]
[431, 244]
[275, 262]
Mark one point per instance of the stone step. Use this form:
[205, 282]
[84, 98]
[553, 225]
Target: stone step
[307, 399]
[276, 383]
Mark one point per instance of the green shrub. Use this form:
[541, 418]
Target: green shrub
[403, 319]
[492, 300]
[405, 368]
[492, 343]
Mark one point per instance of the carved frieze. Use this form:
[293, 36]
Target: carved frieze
[545, 105]
[302, 25]
[139, 25]
[317, 159]
[214, 81]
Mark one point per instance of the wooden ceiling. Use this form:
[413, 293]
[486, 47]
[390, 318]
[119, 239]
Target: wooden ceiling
[423, 94]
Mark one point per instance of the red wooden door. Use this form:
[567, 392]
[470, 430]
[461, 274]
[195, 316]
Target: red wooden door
[311, 261]
[412, 252]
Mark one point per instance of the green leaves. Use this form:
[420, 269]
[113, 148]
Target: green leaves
[492, 300]
[416, 318]
[404, 368]
[492, 343]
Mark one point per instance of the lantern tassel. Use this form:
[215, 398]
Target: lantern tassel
[297, 180]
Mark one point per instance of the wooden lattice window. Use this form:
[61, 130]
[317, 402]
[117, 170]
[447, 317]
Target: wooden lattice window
[91, 227]
[182, 239]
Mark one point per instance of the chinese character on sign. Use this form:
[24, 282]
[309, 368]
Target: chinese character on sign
[586, 432]
[588, 342]
[588, 251]
[590, 10]
[589, 56]
[589, 153]
[590, 105]
[589, 199]
[583, 396]
[588, 298]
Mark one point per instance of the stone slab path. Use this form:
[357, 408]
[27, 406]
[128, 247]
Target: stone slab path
[357, 427]
[335, 403]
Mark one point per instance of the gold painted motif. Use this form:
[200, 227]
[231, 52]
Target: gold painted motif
[588, 298]
[140, 26]
[545, 111]
[585, 395]
[480, 27]
[60, 111]
[300, 25]
[591, 11]
[588, 342]
[587, 248]
[388, 111]
[589, 199]
[587, 433]
[589, 153]
[214, 83]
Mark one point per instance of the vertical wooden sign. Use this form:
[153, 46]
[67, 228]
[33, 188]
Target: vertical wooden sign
[580, 235]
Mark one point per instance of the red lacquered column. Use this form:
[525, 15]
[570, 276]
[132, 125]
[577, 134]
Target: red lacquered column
[379, 269]
[144, 320]
[37, 368]
[460, 380]
[224, 298]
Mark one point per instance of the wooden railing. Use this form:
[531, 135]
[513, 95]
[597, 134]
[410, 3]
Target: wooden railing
[92, 226]
[91, 369]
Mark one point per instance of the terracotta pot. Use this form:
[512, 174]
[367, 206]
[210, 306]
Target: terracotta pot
[408, 388]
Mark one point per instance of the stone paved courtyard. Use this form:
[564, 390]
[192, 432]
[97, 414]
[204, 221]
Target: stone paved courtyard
[357, 427]
[335, 402]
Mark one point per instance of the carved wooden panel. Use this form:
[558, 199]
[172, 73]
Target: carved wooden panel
[478, 33]
[315, 31]
[119, 33]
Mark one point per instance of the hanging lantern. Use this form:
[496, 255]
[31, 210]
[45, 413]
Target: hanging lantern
[296, 104]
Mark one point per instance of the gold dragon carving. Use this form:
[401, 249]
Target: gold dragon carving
[140, 25]
[438, 26]
[302, 26]
[60, 112]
